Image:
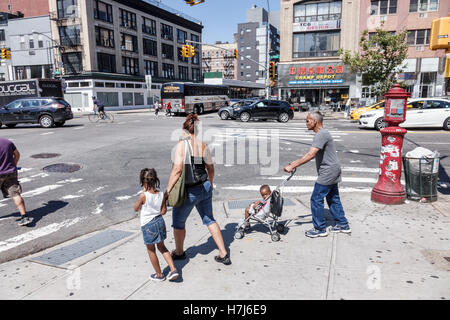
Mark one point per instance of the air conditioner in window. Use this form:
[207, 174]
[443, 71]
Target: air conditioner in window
[420, 48]
[32, 52]
[164, 55]
[126, 25]
[423, 15]
[123, 47]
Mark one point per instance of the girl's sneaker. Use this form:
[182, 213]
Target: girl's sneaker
[154, 277]
[173, 275]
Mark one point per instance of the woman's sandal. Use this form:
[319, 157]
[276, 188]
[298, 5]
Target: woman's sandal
[178, 256]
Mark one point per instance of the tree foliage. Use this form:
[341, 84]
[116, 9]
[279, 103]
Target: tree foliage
[379, 60]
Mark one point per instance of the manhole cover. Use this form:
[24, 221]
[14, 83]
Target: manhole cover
[62, 167]
[45, 155]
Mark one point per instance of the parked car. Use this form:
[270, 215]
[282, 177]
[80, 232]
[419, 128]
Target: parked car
[279, 110]
[428, 112]
[227, 112]
[45, 111]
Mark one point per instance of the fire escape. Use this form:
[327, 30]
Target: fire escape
[68, 40]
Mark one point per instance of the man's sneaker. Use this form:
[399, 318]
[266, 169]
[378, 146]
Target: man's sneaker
[341, 228]
[314, 233]
[225, 260]
[154, 277]
[173, 275]
[25, 220]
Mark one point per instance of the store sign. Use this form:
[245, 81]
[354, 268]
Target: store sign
[171, 89]
[314, 74]
[316, 25]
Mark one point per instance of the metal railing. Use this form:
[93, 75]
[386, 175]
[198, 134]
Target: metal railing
[172, 10]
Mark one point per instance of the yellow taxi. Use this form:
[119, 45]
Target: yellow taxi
[355, 114]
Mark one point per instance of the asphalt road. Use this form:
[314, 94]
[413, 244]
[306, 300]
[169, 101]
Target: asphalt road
[102, 192]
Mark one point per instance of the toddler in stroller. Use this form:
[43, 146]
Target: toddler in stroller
[266, 212]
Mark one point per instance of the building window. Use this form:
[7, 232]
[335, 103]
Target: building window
[130, 66]
[67, 8]
[167, 51]
[151, 68]
[181, 58]
[316, 44]
[104, 37]
[166, 32]
[31, 43]
[128, 19]
[181, 36]
[69, 35]
[21, 73]
[380, 7]
[419, 37]
[196, 74]
[40, 42]
[150, 47]
[103, 11]
[195, 38]
[168, 71]
[423, 5]
[128, 42]
[106, 62]
[183, 73]
[2, 35]
[317, 11]
[196, 58]
[72, 62]
[149, 26]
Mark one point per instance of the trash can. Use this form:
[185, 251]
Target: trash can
[421, 176]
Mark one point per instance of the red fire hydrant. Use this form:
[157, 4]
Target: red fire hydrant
[388, 189]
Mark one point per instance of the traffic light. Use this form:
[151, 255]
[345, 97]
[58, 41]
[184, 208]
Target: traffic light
[272, 70]
[63, 71]
[184, 51]
[235, 53]
[8, 54]
[4, 53]
[191, 51]
[193, 2]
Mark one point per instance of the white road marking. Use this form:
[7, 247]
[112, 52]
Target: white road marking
[99, 188]
[68, 197]
[295, 189]
[2, 205]
[360, 169]
[25, 169]
[99, 209]
[123, 198]
[44, 189]
[78, 128]
[37, 233]
[355, 161]
[314, 178]
[46, 133]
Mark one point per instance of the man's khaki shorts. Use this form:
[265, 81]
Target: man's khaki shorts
[9, 184]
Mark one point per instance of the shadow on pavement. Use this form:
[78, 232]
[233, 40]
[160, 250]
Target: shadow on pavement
[49, 207]
[204, 249]
[443, 177]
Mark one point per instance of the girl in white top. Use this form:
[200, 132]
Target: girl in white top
[152, 205]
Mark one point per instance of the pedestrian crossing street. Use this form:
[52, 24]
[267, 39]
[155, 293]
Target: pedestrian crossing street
[294, 138]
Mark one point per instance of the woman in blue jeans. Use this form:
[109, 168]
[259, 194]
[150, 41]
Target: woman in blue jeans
[199, 196]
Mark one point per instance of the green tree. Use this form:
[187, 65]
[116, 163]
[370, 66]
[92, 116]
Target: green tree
[379, 60]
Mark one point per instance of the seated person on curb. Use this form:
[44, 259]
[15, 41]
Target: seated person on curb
[261, 208]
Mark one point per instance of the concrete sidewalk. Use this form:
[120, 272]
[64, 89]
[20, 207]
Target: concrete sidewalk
[394, 252]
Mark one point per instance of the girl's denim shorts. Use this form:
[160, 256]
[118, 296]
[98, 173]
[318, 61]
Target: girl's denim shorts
[155, 231]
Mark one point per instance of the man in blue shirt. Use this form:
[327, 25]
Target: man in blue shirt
[9, 184]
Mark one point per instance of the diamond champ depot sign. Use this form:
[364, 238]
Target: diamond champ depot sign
[314, 74]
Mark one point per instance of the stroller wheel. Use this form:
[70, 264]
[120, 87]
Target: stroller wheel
[280, 228]
[239, 234]
[275, 237]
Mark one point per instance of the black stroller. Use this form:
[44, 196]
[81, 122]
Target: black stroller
[271, 221]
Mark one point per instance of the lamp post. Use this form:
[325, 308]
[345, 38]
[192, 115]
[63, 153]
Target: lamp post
[55, 45]
[388, 189]
[267, 52]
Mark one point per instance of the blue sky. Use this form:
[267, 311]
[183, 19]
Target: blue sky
[220, 17]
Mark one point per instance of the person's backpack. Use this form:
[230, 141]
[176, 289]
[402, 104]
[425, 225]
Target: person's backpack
[276, 203]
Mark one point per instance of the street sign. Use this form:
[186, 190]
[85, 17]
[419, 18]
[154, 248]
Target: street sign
[275, 57]
[57, 72]
[148, 81]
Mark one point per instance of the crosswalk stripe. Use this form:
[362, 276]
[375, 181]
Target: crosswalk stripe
[361, 169]
[37, 233]
[300, 189]
[314, 178]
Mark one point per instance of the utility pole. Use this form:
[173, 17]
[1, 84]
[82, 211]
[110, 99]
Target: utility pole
[267, 52]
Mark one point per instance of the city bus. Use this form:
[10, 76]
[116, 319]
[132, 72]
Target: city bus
[197, 98]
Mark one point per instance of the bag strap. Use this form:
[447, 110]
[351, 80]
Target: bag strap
[187, 152]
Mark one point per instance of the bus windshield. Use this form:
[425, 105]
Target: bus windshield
[172, 91]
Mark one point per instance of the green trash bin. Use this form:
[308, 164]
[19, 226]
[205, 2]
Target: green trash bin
[421, 176]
